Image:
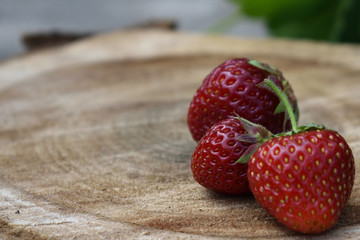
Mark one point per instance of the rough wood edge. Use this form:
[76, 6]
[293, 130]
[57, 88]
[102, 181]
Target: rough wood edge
[140, 44]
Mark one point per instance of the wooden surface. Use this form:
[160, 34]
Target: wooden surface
[94, 142]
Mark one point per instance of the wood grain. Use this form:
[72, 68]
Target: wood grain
[94, 142]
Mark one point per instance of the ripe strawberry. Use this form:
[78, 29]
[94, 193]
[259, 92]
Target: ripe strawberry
[304, 180]
[231, 88]
[303, 177]
[213, 162]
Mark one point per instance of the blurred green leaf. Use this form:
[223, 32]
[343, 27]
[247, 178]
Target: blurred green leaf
[329, 20]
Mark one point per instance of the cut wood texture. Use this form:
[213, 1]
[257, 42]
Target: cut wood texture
[94, 142]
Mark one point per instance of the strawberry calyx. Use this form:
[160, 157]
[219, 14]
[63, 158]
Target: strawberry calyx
[302, 129]
[264, 66]
[256, 134]
[275, 73]
[290, 112]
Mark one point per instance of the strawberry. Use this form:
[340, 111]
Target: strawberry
[232, 88]
[213, 162]
[304, 180]
[303, 177]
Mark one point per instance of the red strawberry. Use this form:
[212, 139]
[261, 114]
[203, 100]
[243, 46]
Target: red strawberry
[304, 180]
[213, 162]
[304, 177]
[231, 89]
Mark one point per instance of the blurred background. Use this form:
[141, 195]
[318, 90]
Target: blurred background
[30, 24]
[20, 17]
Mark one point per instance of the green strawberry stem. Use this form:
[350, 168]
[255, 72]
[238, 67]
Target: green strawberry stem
[293, 116]
[256, 134]
[284, 99]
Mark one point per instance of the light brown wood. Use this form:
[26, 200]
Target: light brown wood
[94, 142]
